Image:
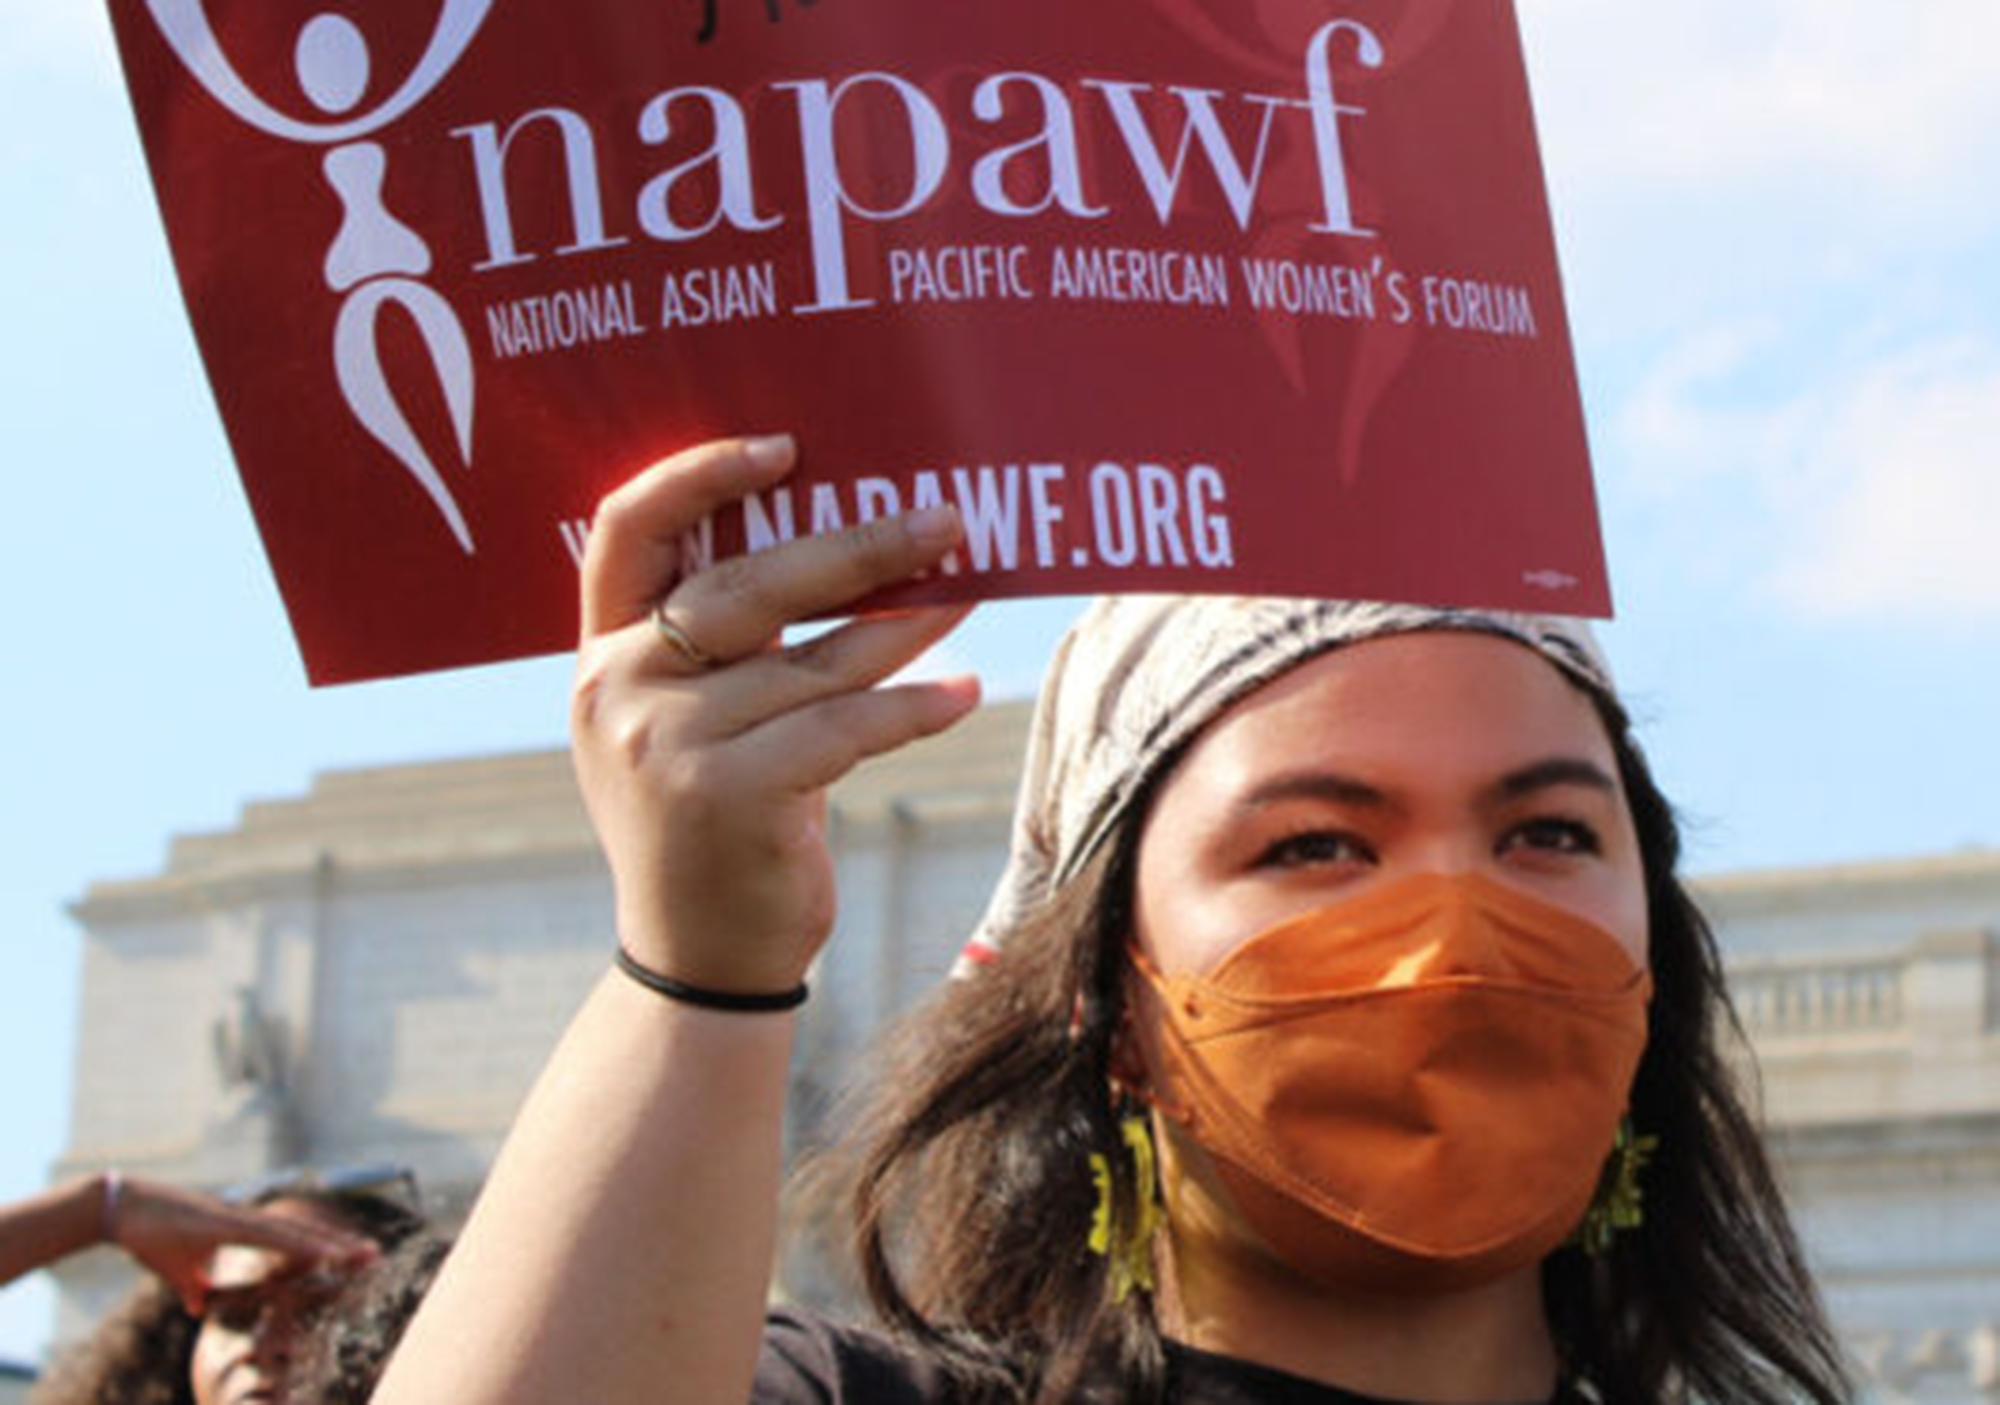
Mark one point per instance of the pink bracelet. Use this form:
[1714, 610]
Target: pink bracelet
[107, 1215]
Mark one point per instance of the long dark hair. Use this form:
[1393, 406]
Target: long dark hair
[970, 1202]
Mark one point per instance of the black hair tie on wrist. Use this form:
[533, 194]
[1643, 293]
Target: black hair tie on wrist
[710, 999]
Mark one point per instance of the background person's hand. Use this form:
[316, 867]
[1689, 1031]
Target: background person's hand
[175, 1233]
[704, 758]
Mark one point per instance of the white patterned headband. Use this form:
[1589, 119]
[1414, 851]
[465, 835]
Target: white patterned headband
[1138, 676]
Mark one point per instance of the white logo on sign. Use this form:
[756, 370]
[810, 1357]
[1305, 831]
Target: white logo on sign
[375, 259]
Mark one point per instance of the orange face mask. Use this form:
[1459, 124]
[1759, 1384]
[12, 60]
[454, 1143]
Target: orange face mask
[1412, 1092]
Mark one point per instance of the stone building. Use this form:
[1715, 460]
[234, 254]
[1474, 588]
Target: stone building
[373, 972]
[1871, 994]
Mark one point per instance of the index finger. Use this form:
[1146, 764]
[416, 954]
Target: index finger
[305, 1241]
[301, 1248]
[635, 541]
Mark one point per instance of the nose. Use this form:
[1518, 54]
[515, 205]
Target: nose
[271, 1339]
[1450, 855]
[1469, 941]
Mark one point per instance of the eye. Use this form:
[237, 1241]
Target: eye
[1311, 847]
[1552, 834]
[233, 1312]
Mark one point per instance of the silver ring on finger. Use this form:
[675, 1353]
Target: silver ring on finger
[680, 641]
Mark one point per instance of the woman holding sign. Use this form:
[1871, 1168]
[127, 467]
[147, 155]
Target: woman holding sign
[1340, 1031]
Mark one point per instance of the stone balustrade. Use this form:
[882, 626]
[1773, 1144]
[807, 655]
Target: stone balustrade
[1780, 998]
[1943, 988]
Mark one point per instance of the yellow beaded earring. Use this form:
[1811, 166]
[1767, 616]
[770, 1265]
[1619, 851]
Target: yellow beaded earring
[1620, 1202]
[1128, 1248]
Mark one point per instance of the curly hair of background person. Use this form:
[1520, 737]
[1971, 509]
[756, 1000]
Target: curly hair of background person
[340, 1363]
[137, 1356]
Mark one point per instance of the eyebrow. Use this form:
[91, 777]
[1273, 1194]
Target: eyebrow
[1347, 790]
[1314, 785]
[1556, 771]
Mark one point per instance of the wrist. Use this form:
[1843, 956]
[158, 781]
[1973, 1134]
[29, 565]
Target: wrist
[775, 999]
[110, 1193]
[715, 961]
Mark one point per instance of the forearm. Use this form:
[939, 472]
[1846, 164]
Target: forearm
[622, 1248]
[44, 1228]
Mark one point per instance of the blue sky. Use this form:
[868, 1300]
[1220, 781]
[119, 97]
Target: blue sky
[1778, 221]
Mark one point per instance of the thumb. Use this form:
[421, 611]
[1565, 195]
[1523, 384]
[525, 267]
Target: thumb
[192, 1287]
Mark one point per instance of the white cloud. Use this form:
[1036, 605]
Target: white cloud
[1900, 508]
[1870, 494]
[1865, 101]
[1678, 421]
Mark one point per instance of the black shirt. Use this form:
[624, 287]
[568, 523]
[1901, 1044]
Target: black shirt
[809, 1361]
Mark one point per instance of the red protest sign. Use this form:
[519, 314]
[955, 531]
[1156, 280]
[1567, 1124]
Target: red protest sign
[1182, 295]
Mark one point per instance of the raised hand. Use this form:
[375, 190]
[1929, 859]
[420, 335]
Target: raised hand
[171, 1231]
[175, 1233]
[704, 746]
